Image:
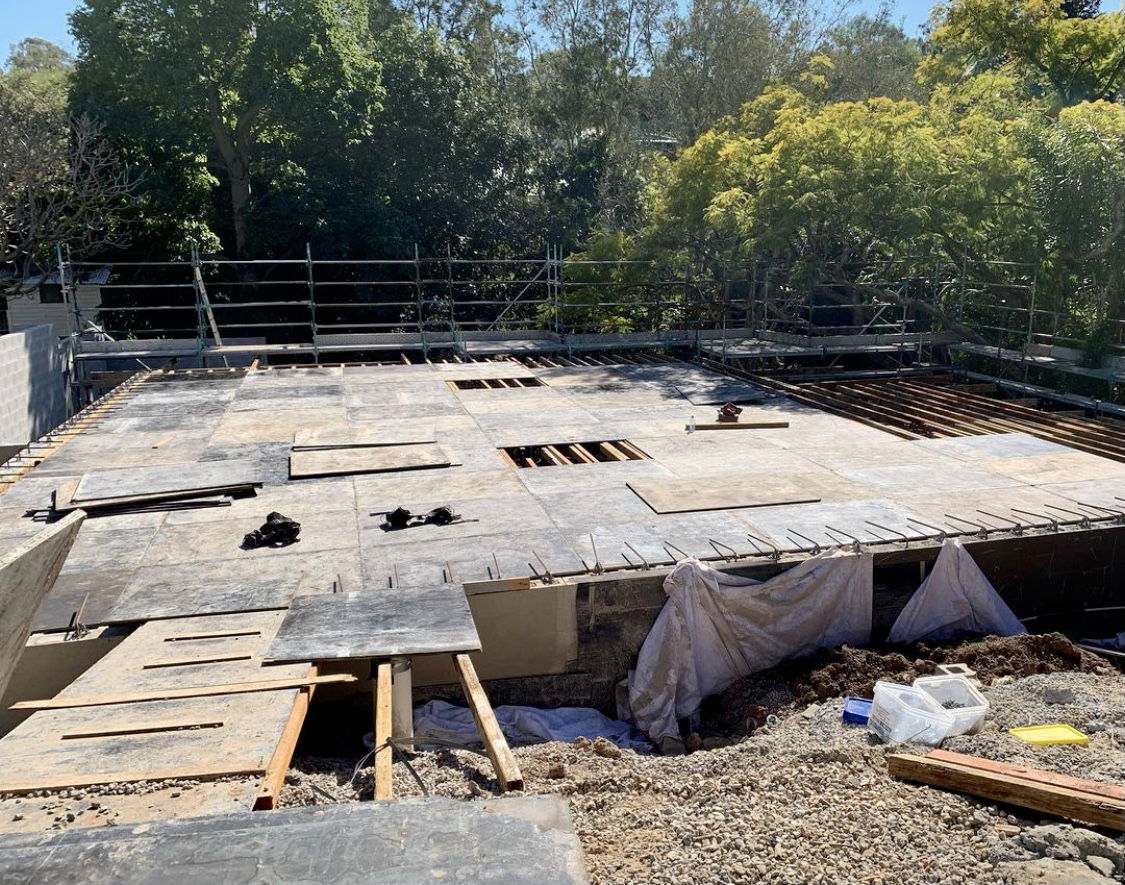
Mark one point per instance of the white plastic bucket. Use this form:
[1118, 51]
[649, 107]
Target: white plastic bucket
[901, 713]
[970, 705]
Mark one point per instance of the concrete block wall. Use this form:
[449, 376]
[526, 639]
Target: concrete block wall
[32, 384]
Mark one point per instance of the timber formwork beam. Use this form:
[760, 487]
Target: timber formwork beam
[937, 409]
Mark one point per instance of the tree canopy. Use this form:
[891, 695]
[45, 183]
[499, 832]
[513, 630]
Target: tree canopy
[701, 135]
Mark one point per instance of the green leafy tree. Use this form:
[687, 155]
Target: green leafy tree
[715, 58]
[39, 71]
[1064, 58]
[219, 82]
[1079, 187]
[870, 56]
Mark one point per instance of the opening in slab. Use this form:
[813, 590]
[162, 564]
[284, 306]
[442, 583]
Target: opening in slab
[566, 454]
[494, 383]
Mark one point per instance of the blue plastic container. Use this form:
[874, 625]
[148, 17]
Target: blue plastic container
[857, 710]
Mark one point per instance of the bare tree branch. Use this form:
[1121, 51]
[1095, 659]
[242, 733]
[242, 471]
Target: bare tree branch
[61, 183]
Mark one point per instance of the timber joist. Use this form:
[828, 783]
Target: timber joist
[938, 408]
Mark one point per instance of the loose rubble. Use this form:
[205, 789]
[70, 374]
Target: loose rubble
[806, 799]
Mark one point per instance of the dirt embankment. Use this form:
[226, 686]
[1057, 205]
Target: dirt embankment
[747, 704]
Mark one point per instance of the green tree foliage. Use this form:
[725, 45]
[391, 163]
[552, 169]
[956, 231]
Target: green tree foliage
[871, 56]
[1014, 153]
[39, 72]
[217, 84]
[717, 57]
[1062, 57]
[1079, 187]
[706, 136]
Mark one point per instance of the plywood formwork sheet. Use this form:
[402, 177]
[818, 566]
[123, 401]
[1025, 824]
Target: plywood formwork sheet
[830, 523]
[214, 587]
[94, 592]
[480, 558]
[133, 481]
[204, 738]
[155, 740]
[245, 636]
[367, 459]
[355, 437]
[1068, 466]
[730, 492]
[919, 479]
[990, 445]
[27, 572]
[369, 624]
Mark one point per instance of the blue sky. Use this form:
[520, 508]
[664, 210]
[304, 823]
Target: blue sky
[47, 18]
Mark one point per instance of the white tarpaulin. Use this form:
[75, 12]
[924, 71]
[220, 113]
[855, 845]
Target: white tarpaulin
[524, 725]
[956, 598]
[715, 628]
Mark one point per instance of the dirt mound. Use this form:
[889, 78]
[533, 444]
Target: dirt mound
[745, 705]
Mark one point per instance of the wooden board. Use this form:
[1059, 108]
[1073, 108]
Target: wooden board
[128, 482]
[1024, 789]
[360, 437]
[721, 493]
[274, 778]
[383, 774]
[1097, 788]
[65, 502]
[367, 459]
[371, 624]
[495, 744]
[741, 425]
[201, 691]
[37, 754]
[26, 576]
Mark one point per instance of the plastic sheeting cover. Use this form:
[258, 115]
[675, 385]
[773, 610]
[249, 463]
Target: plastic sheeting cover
[716, 628]
[524, 725]
[956, 598]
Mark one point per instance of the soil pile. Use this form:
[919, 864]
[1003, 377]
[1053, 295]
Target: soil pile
[747, 704]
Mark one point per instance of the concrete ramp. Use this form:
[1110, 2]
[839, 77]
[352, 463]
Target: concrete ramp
[26, 574]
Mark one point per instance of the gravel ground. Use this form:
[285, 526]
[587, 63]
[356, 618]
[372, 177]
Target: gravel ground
[806, 800]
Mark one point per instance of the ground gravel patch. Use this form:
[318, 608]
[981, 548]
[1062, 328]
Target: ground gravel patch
[805, 800]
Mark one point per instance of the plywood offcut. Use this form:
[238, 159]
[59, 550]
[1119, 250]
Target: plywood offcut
[359, 437]
[721, 493]
[134, 481]
[370, 624]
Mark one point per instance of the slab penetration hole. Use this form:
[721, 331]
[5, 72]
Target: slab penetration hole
[566, 454]
[494, 383]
